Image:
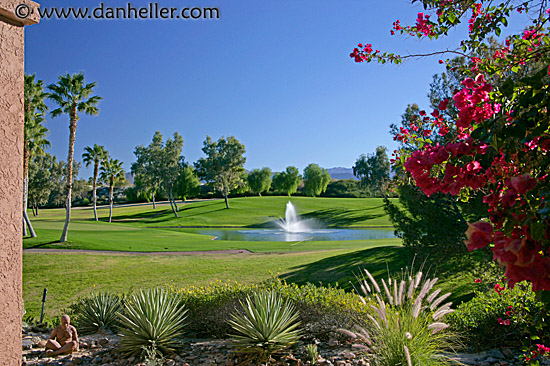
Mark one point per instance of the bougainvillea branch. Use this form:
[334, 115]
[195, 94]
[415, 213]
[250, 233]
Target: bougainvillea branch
[499, 143]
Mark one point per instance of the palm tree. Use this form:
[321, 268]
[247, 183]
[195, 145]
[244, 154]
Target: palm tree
[34, 140]
[96, 155]
[72, 96]
[111, 173]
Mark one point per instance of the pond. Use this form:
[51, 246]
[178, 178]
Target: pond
[312, 235]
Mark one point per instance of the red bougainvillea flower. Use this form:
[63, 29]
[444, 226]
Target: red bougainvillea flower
[443, 104]
[523, 183]
[479, 234]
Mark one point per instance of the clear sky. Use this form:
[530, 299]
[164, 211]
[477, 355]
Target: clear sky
[275, 74]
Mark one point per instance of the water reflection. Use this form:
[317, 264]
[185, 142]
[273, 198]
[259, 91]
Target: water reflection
[281, 235]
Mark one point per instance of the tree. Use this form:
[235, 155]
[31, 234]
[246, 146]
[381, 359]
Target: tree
[223, 164]
[316, 180]
[259, 180]
[73, 97]
[374, 170]
[95, 155]
[187, 184]
[58, 194]
[147, 169]
[111, 172]
[34, 136]
[287, 181]
[169, 167]
[41, 180]
[502, 142]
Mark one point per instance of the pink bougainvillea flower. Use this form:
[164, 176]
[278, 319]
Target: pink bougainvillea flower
[478, 235]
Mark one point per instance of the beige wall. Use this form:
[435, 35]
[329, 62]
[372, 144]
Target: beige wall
[12, 64]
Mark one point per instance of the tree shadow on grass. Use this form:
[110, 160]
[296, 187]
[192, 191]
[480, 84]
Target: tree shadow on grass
[189, 206]
[341, 270]
[43, 244]
[142, 216]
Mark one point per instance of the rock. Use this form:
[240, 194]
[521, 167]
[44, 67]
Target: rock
[507, 353]
[27, 344]
[170, 362]
[349, 355]
[103, 341]
[333, 343]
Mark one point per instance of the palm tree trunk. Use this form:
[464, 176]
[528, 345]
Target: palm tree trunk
[153, 194]
[111, 201]
[26, 193]
[28, 222]
[72, 138]
[96, 169]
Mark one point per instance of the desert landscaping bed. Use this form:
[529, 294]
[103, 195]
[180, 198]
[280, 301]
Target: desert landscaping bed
[102, 350]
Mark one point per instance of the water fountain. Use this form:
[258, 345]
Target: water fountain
[292, 223]
[294, 229]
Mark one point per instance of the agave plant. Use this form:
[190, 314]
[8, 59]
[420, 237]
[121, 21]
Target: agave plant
[405, 327]
[98, 313]
[151, 321]
[268, 325]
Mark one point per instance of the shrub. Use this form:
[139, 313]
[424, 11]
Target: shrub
[96, 313]
[408, 330]
[269, 324]
[150, 322]
[321, 310]
[502, 317]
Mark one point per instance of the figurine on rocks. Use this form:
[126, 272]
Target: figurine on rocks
[63, 340]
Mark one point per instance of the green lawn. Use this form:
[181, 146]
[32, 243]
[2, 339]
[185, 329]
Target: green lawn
[68, 276]
[140, 228]
[137, 228]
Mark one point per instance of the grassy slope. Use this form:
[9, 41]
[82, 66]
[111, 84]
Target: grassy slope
[131, 229]
[68, 276]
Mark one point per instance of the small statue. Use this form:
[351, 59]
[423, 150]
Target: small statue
[63, 340]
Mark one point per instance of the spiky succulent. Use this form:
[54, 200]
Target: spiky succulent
[152, 320]
[98, 313]
[405, 326]
[268, 324]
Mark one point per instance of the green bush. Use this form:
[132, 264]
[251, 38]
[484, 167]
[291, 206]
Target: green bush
[151, 321]
[96, 313]
[266, 324]
[508, 317]
[321, 310]
[408, 329]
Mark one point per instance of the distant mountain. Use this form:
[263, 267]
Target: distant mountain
[341, 173]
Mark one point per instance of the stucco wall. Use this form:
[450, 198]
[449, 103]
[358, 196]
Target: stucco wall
[12, 53]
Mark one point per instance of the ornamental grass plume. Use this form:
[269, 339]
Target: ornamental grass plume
[405, 325]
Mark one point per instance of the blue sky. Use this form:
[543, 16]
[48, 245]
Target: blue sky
[275, 74]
